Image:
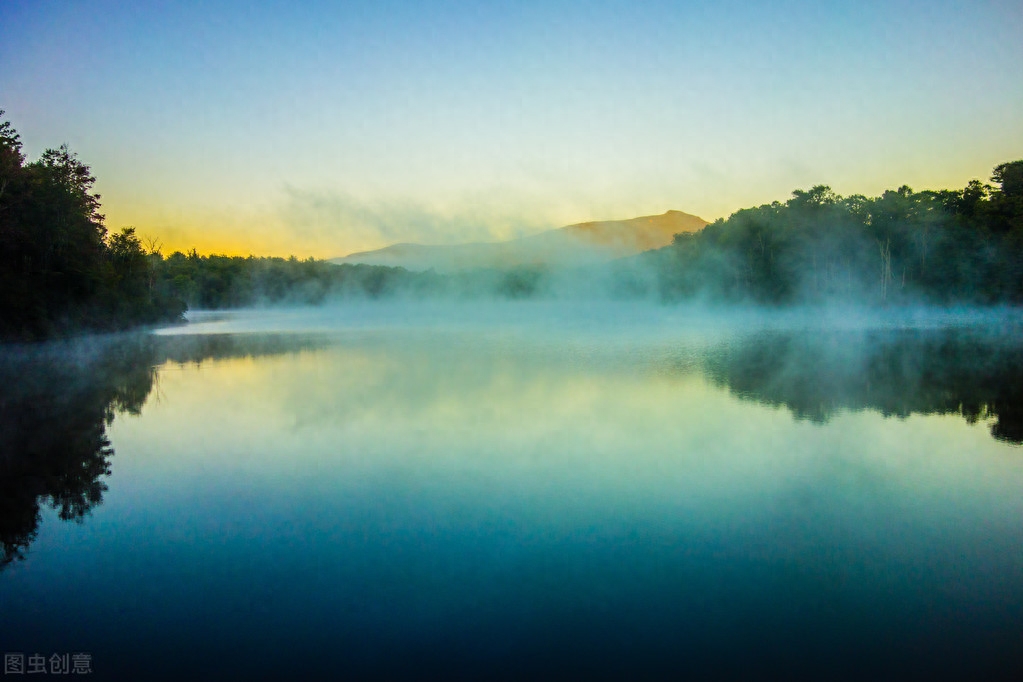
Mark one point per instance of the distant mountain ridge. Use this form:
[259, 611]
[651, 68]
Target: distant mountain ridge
[576, 245]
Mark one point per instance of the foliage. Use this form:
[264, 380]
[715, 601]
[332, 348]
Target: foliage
[59, 271]
[951, 246]
[214, 282]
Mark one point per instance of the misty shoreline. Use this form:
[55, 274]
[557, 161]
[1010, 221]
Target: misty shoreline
[61, 272]
[605, 317]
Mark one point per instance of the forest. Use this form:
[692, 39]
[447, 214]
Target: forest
[61, 272]
[212, 282]
[948, 247]
[935, 247]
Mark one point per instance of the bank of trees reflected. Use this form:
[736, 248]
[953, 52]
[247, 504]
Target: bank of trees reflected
[56, 402]
[978, 375]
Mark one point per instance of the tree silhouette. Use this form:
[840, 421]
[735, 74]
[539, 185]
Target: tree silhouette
[58, 271]
[951, 246]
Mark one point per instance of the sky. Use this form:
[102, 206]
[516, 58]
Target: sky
[325, 128]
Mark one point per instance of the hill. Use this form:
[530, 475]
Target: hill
[571, 246]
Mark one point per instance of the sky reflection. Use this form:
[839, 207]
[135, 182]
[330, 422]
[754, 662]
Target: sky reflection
[415, 499]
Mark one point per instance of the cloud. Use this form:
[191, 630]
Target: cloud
[355, 224]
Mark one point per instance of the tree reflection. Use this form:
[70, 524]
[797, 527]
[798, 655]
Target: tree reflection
[978, 375]
[56, 402]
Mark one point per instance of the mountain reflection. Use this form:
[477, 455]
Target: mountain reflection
[56, 402]
[976, 374]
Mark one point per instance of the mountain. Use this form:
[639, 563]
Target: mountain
[572, 246]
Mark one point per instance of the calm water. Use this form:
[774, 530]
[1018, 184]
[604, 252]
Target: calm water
[526, 490]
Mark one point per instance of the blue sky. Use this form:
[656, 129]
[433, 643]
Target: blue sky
[327, 128]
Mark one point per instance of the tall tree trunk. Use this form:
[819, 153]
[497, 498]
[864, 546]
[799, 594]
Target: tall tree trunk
[885, 248]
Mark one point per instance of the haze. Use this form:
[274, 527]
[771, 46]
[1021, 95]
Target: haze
[323, 130]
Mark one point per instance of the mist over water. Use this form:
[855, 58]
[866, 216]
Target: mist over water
[521, 489]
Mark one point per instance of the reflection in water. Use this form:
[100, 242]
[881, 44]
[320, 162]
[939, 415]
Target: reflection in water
[56, 402]
[542, 505]
[937, 371]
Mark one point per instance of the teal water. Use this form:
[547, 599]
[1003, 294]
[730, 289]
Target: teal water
[519, 492]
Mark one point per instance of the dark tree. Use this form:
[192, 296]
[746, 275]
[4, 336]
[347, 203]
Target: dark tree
[58, 271]
[952, 246]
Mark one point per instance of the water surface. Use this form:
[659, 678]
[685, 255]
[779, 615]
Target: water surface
[528, 489]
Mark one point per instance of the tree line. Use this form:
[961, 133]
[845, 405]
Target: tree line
[933, 247]
[216, 281]
[60, 271]
[940, 247]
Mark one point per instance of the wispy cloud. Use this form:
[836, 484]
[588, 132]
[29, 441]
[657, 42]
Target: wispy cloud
[354, 224]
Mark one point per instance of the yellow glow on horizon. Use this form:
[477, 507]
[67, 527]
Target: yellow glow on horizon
[326, 223]
[221, 234]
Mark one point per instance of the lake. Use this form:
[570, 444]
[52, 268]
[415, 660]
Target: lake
[519, 490]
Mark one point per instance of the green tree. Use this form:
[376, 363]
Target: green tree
[58, 272]
[1009, 177]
